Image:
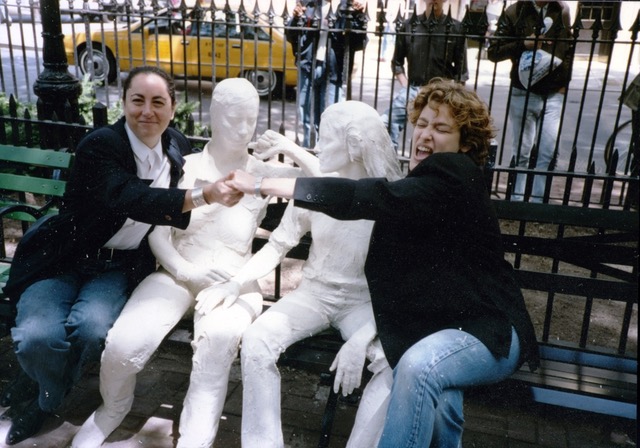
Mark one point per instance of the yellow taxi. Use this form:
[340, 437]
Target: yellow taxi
[225, 47]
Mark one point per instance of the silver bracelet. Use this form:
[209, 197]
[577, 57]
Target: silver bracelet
[197, 197]
[256, 188]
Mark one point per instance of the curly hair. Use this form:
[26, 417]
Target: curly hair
[470, 113]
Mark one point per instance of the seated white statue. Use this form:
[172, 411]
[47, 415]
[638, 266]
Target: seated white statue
[333, 291]
[216, 244]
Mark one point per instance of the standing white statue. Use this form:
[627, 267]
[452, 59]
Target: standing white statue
[333, 291]
[216, 244]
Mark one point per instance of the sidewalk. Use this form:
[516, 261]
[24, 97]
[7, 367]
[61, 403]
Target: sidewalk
[153, 422]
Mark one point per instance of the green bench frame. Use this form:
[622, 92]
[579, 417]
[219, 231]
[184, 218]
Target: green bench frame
[27, 170]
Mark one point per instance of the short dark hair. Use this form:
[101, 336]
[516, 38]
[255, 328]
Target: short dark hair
[152, 70]
[470, 113]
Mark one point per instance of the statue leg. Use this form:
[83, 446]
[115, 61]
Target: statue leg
[372, 409]
[215, 345]
[154, 308]
[291, 319]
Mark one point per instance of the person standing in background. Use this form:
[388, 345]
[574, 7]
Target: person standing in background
[536, 107]
[432, 46]
[319, 48]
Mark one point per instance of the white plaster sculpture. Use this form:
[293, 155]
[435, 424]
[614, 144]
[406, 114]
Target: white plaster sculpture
[333, 291]
[217, 241]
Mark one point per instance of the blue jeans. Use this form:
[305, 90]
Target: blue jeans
[397, 113]
[541, 122]
[425, 408]
[316, 89]
[62, 323]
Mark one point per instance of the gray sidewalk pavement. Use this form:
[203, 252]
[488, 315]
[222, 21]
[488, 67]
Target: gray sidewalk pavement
[491, 422]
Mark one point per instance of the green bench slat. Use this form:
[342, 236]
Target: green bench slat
[35, 156]
[32, 184]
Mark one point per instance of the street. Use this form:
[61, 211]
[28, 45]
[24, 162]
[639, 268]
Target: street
[592, 106]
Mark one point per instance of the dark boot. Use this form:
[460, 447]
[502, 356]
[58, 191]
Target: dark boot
[27, 423]
[21, 388]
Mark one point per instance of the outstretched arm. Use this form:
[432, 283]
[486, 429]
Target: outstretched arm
[271, 144]
[246, 183]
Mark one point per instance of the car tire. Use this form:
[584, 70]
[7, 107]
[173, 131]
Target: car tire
[104, 64]
[265, 82]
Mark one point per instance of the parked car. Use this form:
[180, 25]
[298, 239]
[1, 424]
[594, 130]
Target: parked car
[224, 47]
[109, 10]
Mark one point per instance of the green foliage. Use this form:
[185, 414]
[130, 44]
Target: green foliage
[86, 102]
[21, 109]
[184, 112]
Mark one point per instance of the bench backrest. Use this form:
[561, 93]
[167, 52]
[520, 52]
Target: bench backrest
[576, 265]
[32, 170]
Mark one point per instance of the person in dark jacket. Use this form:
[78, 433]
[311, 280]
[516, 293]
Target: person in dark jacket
[448, 310]
[432, 45]
[72, 273]
[536, 107]
[317, 37]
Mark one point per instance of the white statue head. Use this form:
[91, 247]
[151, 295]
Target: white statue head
[353, 132]
[235, 105]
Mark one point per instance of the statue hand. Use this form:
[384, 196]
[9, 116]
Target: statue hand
[199, 277]
[270, 144]
[348, 365]
[211, 297]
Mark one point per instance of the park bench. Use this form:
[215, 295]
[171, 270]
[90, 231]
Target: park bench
[590, 260]
[25, 171]
[585, 256]
[562, 254]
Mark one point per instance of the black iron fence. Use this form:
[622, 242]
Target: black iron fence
[594, 160]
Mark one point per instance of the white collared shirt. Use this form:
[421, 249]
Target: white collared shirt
[152, 163]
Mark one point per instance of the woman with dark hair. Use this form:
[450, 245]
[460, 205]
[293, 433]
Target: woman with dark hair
[448, 311]
[72, 273]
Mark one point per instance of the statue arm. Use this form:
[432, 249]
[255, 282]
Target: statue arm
[196, 277]
[272, 143]
[292, 227]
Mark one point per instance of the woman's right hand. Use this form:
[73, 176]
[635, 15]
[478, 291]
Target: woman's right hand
[222, 193]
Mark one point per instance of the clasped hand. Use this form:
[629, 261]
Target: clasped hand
[225, 293]
[225, 194]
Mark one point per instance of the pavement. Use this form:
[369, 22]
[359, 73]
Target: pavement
[492, 421]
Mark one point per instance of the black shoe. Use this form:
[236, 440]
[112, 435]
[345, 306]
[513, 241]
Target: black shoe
[21, 388]
[26, 424]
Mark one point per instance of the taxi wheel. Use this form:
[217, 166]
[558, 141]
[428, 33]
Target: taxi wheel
[265, 82]
[104, 64]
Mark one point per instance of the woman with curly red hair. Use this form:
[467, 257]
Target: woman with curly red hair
[448, 311]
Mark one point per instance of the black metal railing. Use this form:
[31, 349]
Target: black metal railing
[202, 44]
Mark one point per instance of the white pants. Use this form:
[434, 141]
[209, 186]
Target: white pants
[302, 313]
[155, 307]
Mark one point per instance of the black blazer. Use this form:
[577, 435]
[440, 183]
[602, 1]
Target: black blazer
[435, 257]
[102, 192]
